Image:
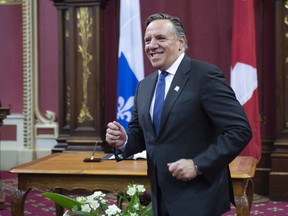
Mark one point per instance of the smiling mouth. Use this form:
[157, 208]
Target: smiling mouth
[156, 54]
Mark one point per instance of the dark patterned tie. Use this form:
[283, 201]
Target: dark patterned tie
[159, 100]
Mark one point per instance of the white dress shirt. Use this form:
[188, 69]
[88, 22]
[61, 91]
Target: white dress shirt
[168, 80]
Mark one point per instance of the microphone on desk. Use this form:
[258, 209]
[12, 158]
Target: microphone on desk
[92, 158]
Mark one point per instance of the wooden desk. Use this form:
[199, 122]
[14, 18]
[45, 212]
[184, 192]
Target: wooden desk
[68, 171]
[242, 172]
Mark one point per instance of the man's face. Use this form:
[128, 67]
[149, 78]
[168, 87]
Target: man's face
[162, 47]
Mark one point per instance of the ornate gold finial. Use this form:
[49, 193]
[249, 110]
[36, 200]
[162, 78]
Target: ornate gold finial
[66, 20]
[68, 104]
[286, 17]
[286, 21]
[84, 24]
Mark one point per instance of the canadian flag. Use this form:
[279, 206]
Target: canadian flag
[244, 72]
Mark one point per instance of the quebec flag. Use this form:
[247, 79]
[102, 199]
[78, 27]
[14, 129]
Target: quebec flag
[130, 59]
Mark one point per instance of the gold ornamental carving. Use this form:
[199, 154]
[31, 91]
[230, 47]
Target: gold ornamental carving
[286, 36]
[67, 20]
[84, 25]
[34, 121]
[286, 18]
[10, 2]
[68, 104]
[286, 25]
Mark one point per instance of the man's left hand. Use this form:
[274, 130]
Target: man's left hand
[183, 169]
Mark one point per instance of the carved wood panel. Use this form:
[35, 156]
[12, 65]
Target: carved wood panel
[81, 111]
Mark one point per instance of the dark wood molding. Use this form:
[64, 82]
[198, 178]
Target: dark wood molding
[279, 157]
[263, 169]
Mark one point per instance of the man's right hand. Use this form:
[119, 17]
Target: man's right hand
[115, 134]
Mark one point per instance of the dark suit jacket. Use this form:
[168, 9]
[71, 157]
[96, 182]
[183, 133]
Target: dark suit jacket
[203, 121]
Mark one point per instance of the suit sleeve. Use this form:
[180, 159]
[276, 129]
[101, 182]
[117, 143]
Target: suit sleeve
[136, 142]
[226, 113]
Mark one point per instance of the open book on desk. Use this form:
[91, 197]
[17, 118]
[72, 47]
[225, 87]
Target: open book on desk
[139, 156]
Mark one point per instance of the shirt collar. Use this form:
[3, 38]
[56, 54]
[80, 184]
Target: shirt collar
[173, 68]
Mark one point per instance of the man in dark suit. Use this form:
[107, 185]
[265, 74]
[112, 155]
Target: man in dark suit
[202, 127]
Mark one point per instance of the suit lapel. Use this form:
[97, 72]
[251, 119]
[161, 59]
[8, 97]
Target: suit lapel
[147, 98]
[179, 81]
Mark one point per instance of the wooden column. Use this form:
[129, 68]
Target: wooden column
[81, 111]
[279, 157]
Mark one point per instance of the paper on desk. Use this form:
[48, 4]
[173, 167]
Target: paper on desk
[138, 156]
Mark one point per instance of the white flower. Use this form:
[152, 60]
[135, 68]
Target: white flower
[81, 199]
[98, 204]
[136, 206]
[85, 208]
[90, 199]
[103, 201]
[98, 194]
[66, 213]
[94, 205]
[112, 210]
[140, 188]
[131, 190]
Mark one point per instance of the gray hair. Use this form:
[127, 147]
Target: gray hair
[178, 26]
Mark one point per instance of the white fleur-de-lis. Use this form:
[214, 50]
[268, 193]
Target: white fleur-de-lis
[123, 110]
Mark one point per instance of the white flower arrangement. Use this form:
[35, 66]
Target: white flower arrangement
[98, 205]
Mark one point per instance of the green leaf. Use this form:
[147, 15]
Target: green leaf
[147, 211]
[62, 200]
[80, 213]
